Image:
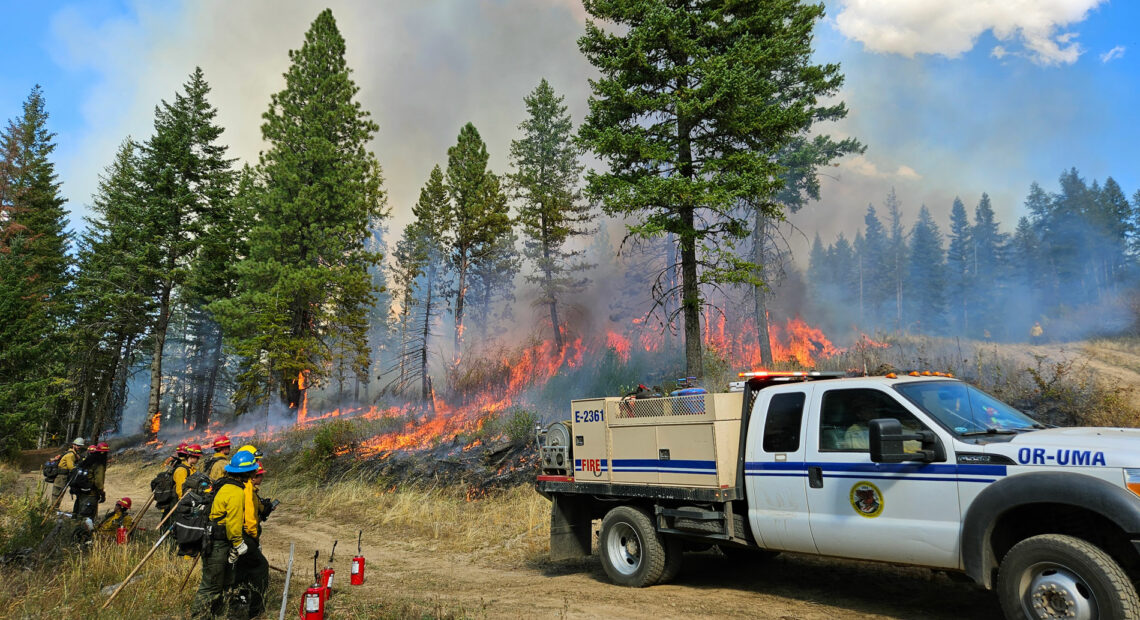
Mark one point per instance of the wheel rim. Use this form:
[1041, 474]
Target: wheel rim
[1049, 590]
[623, 547]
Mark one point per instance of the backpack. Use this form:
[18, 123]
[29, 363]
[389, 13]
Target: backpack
[163, 487]
[81, 483]
[51, 469]
[192, 526]
[197, 481]
[209, 466]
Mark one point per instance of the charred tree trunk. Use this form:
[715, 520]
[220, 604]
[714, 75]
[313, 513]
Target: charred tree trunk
[425, 334]
[461, 293]
[217, 358]
[759, 293]
[160, 325]
[690, 291]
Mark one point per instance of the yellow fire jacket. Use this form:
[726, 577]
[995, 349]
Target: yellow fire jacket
[252, 510]
[228, 510]
[219, 469]
[182, 471]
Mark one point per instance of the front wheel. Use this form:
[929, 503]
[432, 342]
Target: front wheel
[1057, 576]
[632, 551]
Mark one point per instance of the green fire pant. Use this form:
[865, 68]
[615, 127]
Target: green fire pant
[251, 579]
[217, 582]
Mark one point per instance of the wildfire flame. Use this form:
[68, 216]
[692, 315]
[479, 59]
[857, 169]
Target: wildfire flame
[155, 423]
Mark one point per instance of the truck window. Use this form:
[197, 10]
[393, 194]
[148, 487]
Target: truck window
[845, 415]
[782, 427]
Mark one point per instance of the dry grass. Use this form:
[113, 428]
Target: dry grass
[513, 523]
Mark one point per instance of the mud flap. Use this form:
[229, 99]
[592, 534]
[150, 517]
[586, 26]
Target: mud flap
[569, 528]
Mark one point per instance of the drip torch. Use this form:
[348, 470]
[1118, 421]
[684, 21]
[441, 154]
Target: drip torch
[313, 602]
[328, 573]
[356, 572]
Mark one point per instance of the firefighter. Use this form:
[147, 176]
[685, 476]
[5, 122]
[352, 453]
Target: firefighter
[187, 467]
[89, 493]
[215, 468]
[67, 463]
[117, 517]
[227, 544]
[179, 454]
[1036, 333]
[251, 578]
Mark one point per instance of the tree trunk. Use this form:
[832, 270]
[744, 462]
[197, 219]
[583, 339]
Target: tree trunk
[461, 293]
[759, 295]
[217, 358]
[425, 333]
[690, 291]
[549, 286]
[160, 326]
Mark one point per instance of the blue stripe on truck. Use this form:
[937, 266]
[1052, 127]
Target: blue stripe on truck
[893, 471]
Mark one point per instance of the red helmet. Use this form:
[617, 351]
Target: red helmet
[194, 450]
[181, 449]
[221, 442]
[99, 447]
[260, 469]
[124, 503]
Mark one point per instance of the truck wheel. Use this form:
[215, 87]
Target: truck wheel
[632, 551]
[1057, 576]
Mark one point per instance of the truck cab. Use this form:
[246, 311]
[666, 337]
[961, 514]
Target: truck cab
[922, 469]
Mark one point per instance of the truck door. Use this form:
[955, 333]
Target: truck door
[901, 512]
[774, 470]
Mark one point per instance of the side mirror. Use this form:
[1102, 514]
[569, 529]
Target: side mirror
[886, 439]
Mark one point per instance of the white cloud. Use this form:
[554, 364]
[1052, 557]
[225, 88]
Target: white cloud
[998, 52]
[951, 28]
[862, 166]
[1113, 54]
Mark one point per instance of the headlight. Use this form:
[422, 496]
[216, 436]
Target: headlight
[1132, 480]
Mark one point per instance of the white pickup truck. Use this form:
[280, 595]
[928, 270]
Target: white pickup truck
[922, 470]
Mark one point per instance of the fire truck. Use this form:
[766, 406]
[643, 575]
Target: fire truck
[919, 469]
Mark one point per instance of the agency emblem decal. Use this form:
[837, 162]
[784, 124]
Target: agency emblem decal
[866, 499]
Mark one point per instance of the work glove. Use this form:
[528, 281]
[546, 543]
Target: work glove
[267, 507]
[237, 552]
[102, 496]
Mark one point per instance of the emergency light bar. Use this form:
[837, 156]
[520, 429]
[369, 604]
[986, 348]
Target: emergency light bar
[764, 374]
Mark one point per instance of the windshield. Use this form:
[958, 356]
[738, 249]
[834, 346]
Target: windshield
[965, 409]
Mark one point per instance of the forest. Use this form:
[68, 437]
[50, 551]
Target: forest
[203, 289]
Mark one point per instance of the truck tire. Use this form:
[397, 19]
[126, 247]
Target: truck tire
[1056, 576]
[632, 551]
[674, 558]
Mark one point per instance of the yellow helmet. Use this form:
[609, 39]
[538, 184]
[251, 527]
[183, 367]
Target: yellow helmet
[251, 449]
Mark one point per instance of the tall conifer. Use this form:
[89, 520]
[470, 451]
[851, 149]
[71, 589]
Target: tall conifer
[306, 282]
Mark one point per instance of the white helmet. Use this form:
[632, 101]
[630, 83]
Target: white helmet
[78, 441]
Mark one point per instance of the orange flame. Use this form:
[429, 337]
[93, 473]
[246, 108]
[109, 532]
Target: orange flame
[155, 423]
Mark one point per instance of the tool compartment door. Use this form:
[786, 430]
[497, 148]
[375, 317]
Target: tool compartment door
[900, 512]
[591, 458]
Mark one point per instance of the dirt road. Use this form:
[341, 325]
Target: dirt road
[482, 585]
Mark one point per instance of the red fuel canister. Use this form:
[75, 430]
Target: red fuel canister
[356, 572]
[121, 535]
[313, 601]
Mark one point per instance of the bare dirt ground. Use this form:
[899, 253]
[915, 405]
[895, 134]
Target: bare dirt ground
[481, 585]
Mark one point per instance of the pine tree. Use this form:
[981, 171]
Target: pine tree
[546, 177]
[421, 274]
[185, 176]
[306, 280]
[1112, 225]
[691, 133]
[33, 277]
[113, 295]
[959, 277]
[896, 259]
[1067, 237]
[926, 277]
[988, 264]
[480, 215]
[878, 281]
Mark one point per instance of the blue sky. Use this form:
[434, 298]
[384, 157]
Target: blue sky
[951, 98]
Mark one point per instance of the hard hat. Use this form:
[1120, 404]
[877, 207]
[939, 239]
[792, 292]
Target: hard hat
[260, 470]
[194, 450]
[99, 448]
[221, 442]
[124, 503]
[242, 462]
[252, 450]
[181, 449]
[78, 441]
